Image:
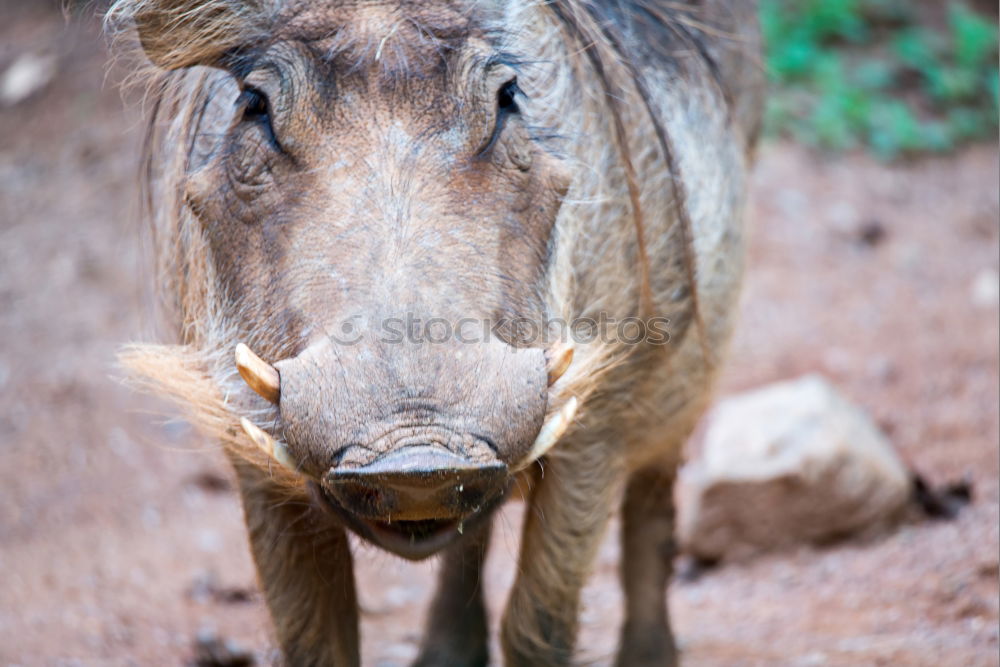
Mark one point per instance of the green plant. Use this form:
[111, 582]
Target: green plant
[866, 73]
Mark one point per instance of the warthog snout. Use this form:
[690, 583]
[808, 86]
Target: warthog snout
[409, 443]
[417, 483]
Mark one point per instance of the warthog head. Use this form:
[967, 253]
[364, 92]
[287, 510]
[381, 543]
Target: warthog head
[365, 166]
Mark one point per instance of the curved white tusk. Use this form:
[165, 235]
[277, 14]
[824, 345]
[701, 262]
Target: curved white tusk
[274, 449]
[260, 375]
[551, 432]
[559, 360]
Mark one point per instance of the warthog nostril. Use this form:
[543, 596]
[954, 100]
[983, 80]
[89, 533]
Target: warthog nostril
[417, 483]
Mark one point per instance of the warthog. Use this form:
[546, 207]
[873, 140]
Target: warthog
[323, 175]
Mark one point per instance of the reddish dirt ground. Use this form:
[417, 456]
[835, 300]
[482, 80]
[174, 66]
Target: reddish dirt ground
[120, 535]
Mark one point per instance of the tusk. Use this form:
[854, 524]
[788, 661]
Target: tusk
[559, 360]
[260, 375]
[274, 449]
[551, 432]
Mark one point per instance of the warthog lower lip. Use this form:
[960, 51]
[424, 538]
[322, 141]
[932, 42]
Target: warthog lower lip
[413, 540]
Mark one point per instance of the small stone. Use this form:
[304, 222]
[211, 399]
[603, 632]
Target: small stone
[209, 541]
[28, 74]
[985, 290]
[211, 650]
[211, 481]
[973, 606]
[989, 568]
[871, 233]
[790, 463]
[203, 586]
[842, 215]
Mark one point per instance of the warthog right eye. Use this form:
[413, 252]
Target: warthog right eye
[254, 104]
[256, 109]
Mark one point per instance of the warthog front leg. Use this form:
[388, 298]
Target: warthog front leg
[565, 521]
[646, 565]
[457, 634]
[304, 564]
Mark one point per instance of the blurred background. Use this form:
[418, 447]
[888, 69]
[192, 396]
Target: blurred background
[873, 263]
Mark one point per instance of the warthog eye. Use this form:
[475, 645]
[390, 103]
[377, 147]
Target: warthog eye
[506, 106]
[507, 97]
[254, 103]
[257, 109]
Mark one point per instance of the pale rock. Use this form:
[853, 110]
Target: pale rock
[985, 290]
[790, 463]
[28, 74]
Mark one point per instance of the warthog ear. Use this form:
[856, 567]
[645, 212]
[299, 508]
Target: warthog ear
[181, 33]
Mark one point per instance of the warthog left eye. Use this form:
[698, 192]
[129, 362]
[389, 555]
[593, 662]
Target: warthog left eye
[507, 97]
[506, 107]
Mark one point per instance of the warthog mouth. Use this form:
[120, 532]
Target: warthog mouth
[413, 540]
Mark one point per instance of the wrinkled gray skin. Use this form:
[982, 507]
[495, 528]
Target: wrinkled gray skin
[318, 163]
